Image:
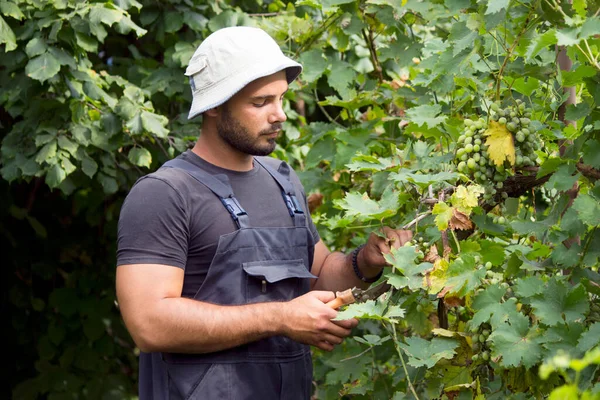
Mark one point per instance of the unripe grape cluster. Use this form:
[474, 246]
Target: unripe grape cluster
[421, 246]
[479, 344]
[472, 156]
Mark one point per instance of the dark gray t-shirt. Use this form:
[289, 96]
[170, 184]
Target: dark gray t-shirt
[170, 218]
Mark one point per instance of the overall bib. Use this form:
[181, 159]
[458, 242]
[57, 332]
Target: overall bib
[251, 265]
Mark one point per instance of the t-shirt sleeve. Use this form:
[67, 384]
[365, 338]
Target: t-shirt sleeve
[153, 225]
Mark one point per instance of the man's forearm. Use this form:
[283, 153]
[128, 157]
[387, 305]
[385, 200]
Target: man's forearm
[337, 273]
[189, 326]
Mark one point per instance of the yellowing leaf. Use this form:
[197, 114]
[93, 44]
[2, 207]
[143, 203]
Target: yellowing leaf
[501, 145]
[436, 280]
[465, 198]
[443, 213]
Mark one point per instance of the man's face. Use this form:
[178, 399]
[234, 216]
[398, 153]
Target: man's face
[251, 120]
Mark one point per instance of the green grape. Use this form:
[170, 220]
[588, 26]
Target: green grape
[485, 333]
[469, 148]
[525, 131]
[464, 157]
[477, 174]
[501, 220]
[471, 163]
[499, 185]
[494, 107]
[461, 138]
[482, 338]
[460, 152]
[468, 122]
[477, 141]
[511, 126]
[483, 162]
[468, 140]
[475, 357]
[524, 121]
[485, 356]
[476, 156]
[476, 147]
[488, 265]
[461, 166]
[520, 136]
[502, 121]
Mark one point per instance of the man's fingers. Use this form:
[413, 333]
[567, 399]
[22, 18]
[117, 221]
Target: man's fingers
[347, 323]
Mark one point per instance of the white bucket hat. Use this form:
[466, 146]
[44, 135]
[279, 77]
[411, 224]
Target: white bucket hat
[229, 59]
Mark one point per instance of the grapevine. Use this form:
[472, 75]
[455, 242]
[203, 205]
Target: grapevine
[473, 157]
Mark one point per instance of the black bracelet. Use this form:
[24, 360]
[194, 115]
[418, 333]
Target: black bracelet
[357, 270]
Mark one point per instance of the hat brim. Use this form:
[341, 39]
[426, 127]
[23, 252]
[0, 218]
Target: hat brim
[205, 99]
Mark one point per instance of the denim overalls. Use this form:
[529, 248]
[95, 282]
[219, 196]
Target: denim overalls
[251, 265]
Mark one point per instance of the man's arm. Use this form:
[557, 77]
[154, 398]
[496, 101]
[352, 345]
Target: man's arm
[335, 271]
[159, 319]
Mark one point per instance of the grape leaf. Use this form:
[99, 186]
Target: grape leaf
[460, 221]
[363, 207]
[590, 338]
[516, 342]
[426, 114]
[588, 209]
[529, 286]
[500, 144]
[443, 213]
[558, 303]
[422, 352]
[463, 276]
[403, 261]
[490, 307]
[465, 198]
[496, 5]
[562, 337]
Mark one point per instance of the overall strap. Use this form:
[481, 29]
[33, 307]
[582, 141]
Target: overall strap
[282, 177]
[219, 186]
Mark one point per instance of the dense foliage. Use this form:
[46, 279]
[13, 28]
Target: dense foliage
[403, 117]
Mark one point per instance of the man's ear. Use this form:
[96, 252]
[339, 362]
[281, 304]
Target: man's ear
[213, 112]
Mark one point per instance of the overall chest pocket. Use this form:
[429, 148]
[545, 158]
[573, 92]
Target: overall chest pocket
[276, 280]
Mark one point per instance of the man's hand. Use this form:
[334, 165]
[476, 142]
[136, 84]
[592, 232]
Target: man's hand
[307, 319]
[372, 254]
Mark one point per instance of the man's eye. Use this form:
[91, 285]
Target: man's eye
[260, 104]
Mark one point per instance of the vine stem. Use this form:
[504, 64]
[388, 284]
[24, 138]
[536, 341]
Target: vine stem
[371, 45]
[399, 350]
[323, 109]
[509, 53]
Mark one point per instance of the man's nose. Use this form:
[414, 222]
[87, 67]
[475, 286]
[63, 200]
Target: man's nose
[278, 115]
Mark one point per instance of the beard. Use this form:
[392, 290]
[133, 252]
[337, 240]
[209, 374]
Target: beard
[237, 136]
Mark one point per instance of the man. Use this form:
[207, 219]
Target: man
[222, 278]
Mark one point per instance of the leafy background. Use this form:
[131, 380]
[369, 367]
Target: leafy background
[93, 96]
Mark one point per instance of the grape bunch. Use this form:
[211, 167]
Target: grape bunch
[480, 345]
[472, 156]
[421, 246]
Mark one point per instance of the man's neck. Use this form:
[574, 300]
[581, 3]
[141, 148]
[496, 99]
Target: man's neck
[222, 155]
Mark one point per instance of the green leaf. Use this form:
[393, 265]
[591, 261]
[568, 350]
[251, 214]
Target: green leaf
[314, 65]
[7, 36]
[12, 10]
[577, 111]
[526, 85]
[426, 353]
[55, 176]
[589, 339]
[461, 37]
[516, 343]
[66, 144]
[369, 309]
[35, 47]
[340, 77]
[47, 152]
[109, 184]
[155, 123]
[591, 153]
[463, 275]
[588, 209]
[490, 307]
[89, 166]
[541, 42]
[364, 208]
[529, 286]
[576, 77]
[406, 273]
[496, 5]
[564, 178]
[558, 303]
[140, 156]
[42, 67]
[426, 114]
[567, 37]
[99, 13]
[590, 28]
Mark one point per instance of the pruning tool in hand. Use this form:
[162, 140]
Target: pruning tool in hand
[357, 295]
